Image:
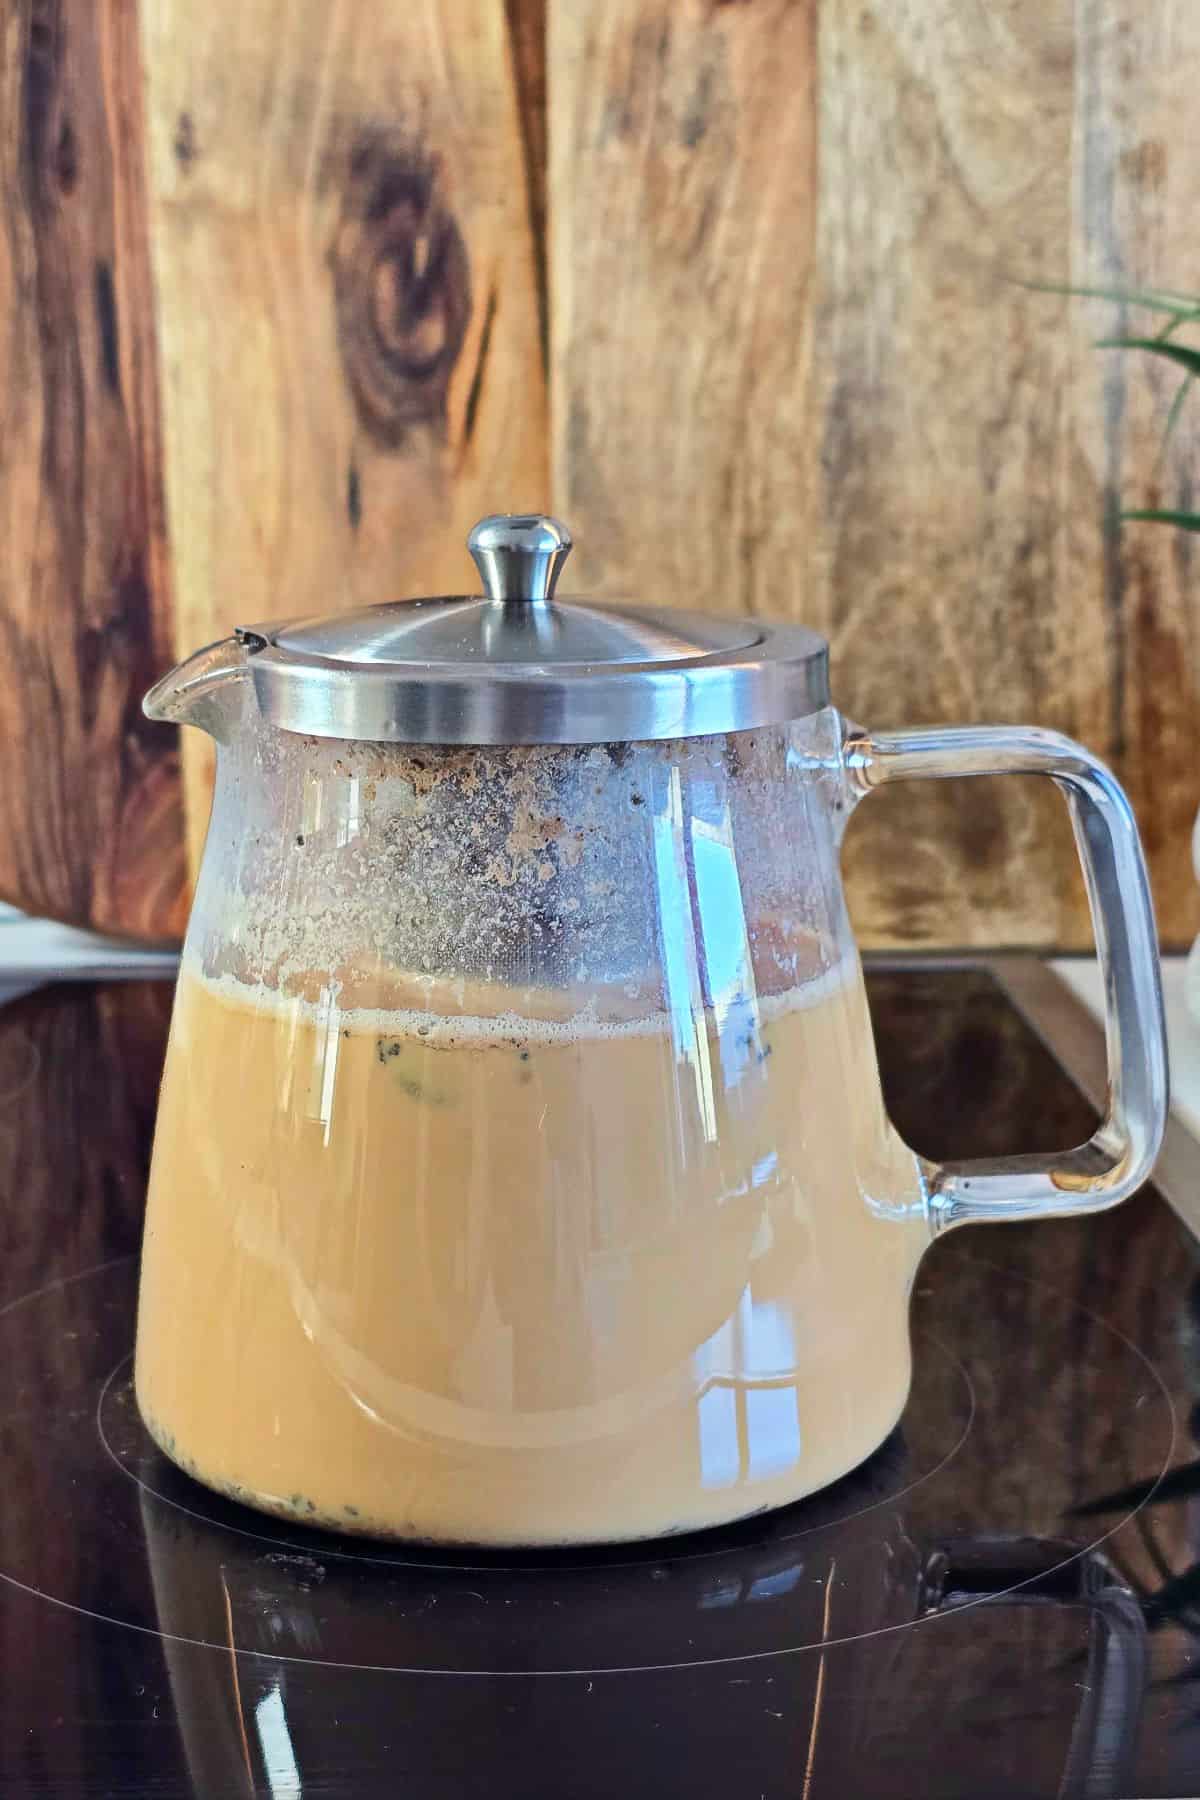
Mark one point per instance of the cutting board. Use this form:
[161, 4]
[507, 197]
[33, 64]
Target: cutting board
[272, 337]
[287, 320]
[91, 817]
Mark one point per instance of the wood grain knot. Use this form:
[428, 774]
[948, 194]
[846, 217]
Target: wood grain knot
[41, 100]
[185, 141]
[402, 287]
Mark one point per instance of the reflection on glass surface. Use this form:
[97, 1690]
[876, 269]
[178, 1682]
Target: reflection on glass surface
[994, 1571]
[275, 1741]
[748, 1410]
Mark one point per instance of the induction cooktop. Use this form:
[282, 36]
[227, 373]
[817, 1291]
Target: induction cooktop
[1003, 1601]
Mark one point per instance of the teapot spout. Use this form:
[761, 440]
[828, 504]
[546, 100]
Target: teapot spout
[202, 691]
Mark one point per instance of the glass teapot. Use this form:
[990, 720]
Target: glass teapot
[522, 1174]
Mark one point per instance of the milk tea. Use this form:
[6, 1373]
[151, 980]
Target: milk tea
[455, 1272]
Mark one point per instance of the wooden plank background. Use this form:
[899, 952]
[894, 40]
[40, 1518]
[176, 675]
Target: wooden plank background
[347, 302]
[90, 805]
[770, 253]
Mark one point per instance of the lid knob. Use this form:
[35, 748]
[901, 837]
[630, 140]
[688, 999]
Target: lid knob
[519, 555]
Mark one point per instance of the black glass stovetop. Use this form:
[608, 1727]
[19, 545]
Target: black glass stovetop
[1004, 1601]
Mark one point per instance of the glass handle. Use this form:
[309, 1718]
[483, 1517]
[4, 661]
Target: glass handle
[1120, 1154]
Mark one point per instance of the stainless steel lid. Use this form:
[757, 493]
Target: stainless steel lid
[517, 666]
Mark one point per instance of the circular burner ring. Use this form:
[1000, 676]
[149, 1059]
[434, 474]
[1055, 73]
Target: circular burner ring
[692, 1546]
[664, 1551]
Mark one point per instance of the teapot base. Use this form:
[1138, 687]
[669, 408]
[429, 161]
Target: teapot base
[541, 1529]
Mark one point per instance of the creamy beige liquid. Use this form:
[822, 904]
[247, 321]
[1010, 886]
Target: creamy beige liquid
[462, 1277]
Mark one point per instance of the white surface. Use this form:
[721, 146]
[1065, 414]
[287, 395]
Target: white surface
[1082, 976]
[33, 951]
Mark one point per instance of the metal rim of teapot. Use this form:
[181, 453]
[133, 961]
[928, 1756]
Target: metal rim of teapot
[518, 666]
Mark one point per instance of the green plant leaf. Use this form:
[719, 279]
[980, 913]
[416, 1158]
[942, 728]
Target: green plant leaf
[1184, 521]
[1176, 409]
[1186, 357]
[1182, 1483]
[1174, 1597]
[1184, 306]
[1182, 1678]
